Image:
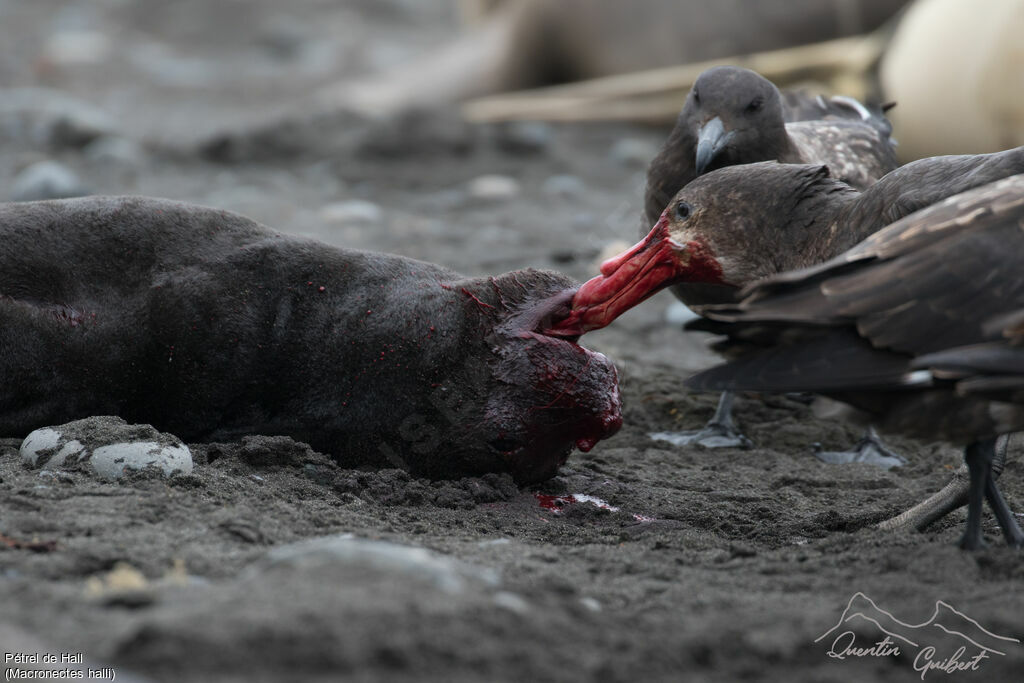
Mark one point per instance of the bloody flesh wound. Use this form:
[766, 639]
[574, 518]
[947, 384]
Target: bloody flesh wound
[633, 276]
[210, 326]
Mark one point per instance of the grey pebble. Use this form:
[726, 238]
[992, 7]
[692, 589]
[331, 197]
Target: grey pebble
[70, 47]
[352, 211]
[115, 149]
[494, 541]
[284, 38]
[523, 137]
[46, 180]
[493, 188]
[452, 198]
[511, 601]
[45, 117]
[346, 554]
[108, 446]
[632, 152]
[564, 185]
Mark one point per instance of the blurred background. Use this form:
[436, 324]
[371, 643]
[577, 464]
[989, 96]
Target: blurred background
[488, 136]
[167, 71]
[459, 131]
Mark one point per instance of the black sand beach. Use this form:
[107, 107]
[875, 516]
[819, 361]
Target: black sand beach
[639, 561]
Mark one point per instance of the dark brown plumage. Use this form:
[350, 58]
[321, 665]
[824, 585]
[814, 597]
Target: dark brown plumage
[734, 116]
[738, 224]
[920, 325]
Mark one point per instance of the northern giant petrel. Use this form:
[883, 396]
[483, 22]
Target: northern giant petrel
[921, 326]
[737, 224]
[735, 116]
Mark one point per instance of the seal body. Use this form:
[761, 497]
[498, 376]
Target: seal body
[205, 324]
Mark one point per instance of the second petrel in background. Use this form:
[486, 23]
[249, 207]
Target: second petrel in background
[735, 116]
[921, 326]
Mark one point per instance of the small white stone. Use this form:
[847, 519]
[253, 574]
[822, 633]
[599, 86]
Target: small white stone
[512, 602]
[76, 47]
[108, 445]
[524, 137]
[72, 449]
[46, 180]
[115, 149]
[381, 558]
[493, 188]
[110, 462]
[40, 440]
[352, 211]
[494, 541]
[632, 152]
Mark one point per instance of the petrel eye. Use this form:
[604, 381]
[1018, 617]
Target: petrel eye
[683, 211]
[755, 104]
[696, 96]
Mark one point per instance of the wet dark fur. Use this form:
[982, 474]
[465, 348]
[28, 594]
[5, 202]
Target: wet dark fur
[207, 325]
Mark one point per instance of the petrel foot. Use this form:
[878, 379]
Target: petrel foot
[712, 435]
[972, 541]
[870, 449]
[719, 432]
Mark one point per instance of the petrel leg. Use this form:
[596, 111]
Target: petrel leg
[979, 460]
[719, 432]
[1011, 530]
[952, 496]
[870, 449]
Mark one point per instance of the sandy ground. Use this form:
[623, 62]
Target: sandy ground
[268, 562]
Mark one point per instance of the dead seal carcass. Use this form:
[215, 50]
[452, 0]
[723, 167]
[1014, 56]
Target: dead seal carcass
[211, 326]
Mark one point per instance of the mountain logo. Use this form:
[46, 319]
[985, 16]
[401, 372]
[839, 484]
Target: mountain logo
[949, 641]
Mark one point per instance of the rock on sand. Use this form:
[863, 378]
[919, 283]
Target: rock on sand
[107, 447]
